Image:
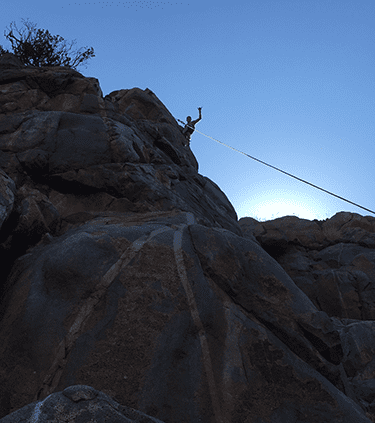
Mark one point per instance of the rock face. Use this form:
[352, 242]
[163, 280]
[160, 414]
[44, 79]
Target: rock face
[78, 403]
[127, 279]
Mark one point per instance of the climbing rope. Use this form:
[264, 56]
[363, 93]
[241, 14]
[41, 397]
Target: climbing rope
[286, 173]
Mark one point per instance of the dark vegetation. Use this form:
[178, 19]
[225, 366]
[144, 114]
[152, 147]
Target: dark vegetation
[39, 48]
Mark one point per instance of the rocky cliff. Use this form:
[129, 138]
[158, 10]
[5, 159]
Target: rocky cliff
[131, 293]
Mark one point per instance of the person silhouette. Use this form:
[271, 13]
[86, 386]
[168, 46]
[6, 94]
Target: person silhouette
[190, 127]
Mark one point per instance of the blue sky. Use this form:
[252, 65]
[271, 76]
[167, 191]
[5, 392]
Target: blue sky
[290, 82]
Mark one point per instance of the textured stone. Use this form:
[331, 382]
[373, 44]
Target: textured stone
[127, 279]
[332, 261]
[7, 192]
[76, 404]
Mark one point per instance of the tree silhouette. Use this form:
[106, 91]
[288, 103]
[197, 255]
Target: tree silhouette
[39, 48]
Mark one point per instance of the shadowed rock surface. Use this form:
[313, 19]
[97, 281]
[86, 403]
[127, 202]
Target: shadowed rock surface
[127, 279]
[78, 403]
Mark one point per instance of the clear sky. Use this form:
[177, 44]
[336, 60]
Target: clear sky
[290, 82]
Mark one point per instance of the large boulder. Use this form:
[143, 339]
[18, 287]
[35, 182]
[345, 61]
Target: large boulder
[332, 261]
[127, 279]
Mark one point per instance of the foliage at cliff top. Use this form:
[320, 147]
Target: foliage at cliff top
[39, 48]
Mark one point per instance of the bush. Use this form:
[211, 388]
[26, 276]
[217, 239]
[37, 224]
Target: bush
[39, 48]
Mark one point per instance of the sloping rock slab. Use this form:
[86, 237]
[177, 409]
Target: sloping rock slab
[183, 322]
[77, 404]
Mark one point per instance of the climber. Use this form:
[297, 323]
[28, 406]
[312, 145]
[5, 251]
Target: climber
[189, 127]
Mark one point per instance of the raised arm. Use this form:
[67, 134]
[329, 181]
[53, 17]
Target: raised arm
[200, 116]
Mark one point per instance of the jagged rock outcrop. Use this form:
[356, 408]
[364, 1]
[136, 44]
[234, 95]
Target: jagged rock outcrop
[127, 275]
[332, 262]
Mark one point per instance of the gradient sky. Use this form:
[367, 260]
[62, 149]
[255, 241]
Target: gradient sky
[290, 82]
